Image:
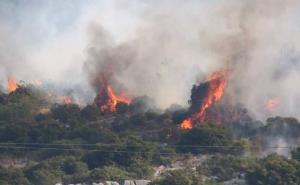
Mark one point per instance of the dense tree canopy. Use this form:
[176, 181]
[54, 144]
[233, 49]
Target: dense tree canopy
[71, 144]
[275, 170]
[206, 139]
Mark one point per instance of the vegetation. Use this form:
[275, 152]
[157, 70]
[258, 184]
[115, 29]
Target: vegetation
[180, 177]
[296, 154]
[224, 168]
[275, 169]
[209, 138]
[72, 144]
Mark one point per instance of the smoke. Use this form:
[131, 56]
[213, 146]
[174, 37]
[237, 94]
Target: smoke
[179, 43]
[36, 42]
[157, 48]
[279, 135]
[263, 54]
[46, 42]
[161, 58]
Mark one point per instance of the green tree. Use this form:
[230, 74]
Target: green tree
[122, 108]
[72, 166]
[12, 176]
[44, 177]
[22, 104]
[111, 173]
[209, 138]
[180, 177]
[58, 169]
[296, 154]
[74, 170]
[90, 113]
[67, 113]
[275, 170]
[225, 168]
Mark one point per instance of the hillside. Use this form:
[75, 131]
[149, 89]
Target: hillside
[44, 143]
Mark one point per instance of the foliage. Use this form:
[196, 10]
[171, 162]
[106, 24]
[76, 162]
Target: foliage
[224, 168]
[22, 104]
[12, 176]
[90, 113]
[71, 144]
[67, 113]
[275, 170]
[180, 177]
[111, 173]
[128, 152]
[58, 169]
[210, 135]
[122, 108]
[296, 154]
[279, 126]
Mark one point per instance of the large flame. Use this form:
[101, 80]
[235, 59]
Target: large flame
[107, 98]
[187, 124]
[217, 83]
[114, 99]
[12, 85]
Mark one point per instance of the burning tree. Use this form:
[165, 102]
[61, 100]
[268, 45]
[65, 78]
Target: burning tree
[204, 96]
[12, 85]
[107, 99]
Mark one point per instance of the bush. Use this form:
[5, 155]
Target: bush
[58, 169]
[180, 177]
[296, 154]
[109, 173]
[10, 176]
[90, 113]
[275, 170]
[225, 168]
[208, 138]
[122, 108]
[65, 113]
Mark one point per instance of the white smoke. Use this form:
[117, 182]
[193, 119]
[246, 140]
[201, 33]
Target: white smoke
[171, 44]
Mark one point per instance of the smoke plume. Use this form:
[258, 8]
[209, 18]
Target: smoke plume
[157, 48]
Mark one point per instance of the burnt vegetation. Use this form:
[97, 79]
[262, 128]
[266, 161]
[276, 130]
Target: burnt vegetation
[71, 144]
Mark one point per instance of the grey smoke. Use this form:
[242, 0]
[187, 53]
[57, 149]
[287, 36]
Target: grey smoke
[158, 48]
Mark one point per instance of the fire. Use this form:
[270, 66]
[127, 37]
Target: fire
[217, 83]
[187, 124]
[107, 98]
[272, 104]
[113, 100]
[12, 85]
[67, 99]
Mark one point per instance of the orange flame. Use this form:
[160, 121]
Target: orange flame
[107, 98]
[217, 83]
[12, 85]
[272, 104]
[113, 100]
[187, 124]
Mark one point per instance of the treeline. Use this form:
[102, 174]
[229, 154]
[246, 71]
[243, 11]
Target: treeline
[72, 144]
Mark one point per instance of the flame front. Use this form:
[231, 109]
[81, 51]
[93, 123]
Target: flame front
[12, 85]
[114, 99]
[217, 83]
[107, 99]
